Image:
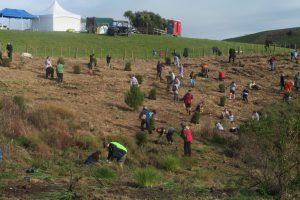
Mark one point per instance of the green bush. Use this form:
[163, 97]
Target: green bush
[222, 101]
[128, 66]
[134, 98]
[103, 173]
[147, 177]
[24, 141]
[152, 123]
[6, 62]
[195, 118]
[77, 69]
[61, 61]
[152, 94]
[141, 138]
[222, 88]
[171, 163]
[140, 78]
[167, 60]
[20, 101]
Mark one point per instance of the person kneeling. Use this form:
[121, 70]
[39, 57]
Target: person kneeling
[115, 151]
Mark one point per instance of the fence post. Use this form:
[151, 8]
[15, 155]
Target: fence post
[76, 52]
[203, 52]
[124, 57]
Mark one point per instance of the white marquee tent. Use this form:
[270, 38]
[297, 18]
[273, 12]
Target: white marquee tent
[55, 18]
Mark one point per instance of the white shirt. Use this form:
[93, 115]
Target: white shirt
[173, 76]
[219, 126]
[48, 63]
[255, 116]
[134, 81]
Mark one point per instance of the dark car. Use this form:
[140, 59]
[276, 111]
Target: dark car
[119, 28]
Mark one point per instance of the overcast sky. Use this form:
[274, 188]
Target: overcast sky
[213, 19]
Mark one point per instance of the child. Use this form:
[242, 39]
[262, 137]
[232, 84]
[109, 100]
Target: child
[60, 72]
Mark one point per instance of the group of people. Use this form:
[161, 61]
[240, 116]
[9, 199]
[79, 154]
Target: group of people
[50, 69]
[146, 116]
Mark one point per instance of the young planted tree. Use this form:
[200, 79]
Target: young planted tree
[134, 98]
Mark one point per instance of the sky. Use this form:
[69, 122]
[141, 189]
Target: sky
[217, 19]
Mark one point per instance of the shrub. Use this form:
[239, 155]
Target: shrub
[134, 98]
[103, 173]
[141, 138]
[140, 78]
[222, 88]
[222, 101]
[24, 141]
[61, 61]
[171, 163]
[128, 66]
[6, 62]
[152, 123]
[152, 94]
[13, 123]
[185, 52]
[195, 118]
[77, 69]
[147, 177]
[20, 101]
[167, 60]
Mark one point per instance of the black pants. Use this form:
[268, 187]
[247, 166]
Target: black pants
[143, 122]
[49, 71]
[9, 55]
[245, 98]
[187, 148]
[60, 77]
[231, 57]
[170, 137]
[158, 75]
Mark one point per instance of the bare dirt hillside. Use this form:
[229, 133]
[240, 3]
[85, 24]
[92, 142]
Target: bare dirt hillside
[98, 104]
[99, 100]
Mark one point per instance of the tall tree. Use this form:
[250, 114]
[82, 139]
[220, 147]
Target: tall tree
[145, 21]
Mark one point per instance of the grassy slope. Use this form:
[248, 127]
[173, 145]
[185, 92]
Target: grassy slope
[279, 36]
[140, 45]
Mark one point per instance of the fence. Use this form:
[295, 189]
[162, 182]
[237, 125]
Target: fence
[142, 53]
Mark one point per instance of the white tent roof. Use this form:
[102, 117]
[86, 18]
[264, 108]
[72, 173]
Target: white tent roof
[57, 11]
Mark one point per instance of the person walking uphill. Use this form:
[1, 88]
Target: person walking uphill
[116, 151]
[9, 49]
[188, 99]
[159, 69]
[272, 62]
[108, 60]
[282, 81]
[187, 137]
[60, 72]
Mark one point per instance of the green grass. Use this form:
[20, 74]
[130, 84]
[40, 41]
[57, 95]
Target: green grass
[56, 195]
[147, 177]
[284, 37]
[64, 44]
[171, 163]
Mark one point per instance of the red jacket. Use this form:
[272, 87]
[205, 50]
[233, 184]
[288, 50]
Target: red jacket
[187, 135]
[188, 98]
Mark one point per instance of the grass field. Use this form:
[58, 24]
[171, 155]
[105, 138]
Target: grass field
[282, 37]
[65, 44]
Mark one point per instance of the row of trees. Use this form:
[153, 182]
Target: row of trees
[145, 21]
